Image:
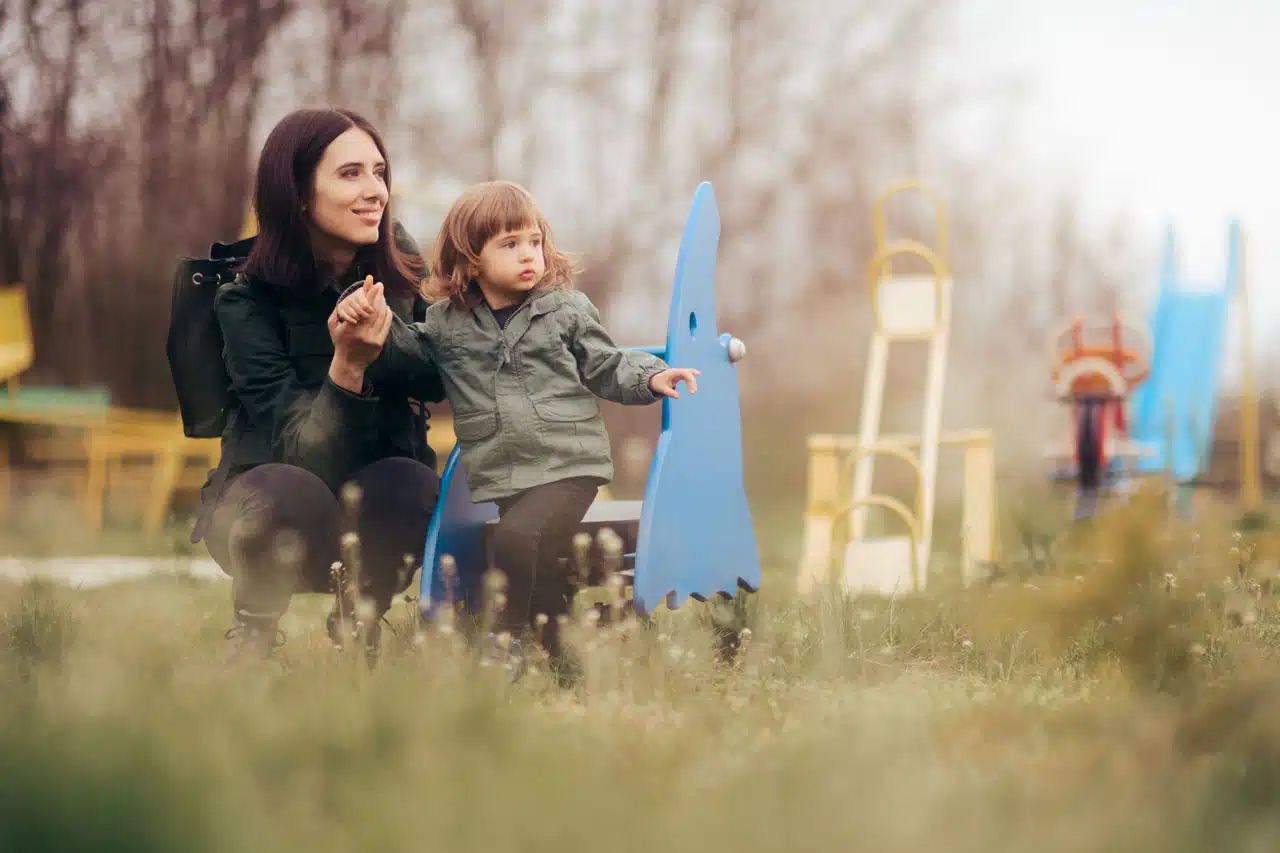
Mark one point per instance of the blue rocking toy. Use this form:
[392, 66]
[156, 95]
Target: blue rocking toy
[692, 533]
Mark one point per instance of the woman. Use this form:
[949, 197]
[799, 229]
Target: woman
[310, 415]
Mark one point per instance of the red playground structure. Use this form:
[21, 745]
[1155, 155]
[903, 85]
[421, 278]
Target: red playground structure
[1096, 369]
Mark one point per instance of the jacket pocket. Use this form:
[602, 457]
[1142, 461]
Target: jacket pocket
[476, 426]
[567, 409]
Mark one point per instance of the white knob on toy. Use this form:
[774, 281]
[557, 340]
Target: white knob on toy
[737, 350]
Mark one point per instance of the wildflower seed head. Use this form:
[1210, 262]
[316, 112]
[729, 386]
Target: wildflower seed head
[494, 581]
[351, 495]
[609, 541]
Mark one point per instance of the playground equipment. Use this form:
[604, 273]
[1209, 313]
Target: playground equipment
[691, 534]
[1096, 368]
[1175, 411]
[906, 308]
[1250, 446]
[88, 432]
[1172, 415]
[17, 345]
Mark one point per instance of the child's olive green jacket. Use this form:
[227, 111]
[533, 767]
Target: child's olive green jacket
[524, 398]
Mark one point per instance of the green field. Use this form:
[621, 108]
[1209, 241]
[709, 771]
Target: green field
[1121, 693]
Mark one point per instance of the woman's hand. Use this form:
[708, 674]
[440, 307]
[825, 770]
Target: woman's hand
[357, 344]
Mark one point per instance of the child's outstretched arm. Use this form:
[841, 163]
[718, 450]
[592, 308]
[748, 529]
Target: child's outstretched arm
[619, 375]
[406, 358]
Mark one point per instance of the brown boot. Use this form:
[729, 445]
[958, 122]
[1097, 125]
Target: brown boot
[253, 636]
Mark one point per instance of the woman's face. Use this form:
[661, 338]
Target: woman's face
[349, 197]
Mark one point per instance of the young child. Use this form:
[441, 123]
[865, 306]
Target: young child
[523, 357]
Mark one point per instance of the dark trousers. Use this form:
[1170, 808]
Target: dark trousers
[287, 527]
[534, 533]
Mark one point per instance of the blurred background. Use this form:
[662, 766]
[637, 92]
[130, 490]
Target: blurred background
[1062, 138]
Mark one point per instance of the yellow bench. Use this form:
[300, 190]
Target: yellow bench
[103, 438]
[105, 435]
[169, 451]
[17, 346]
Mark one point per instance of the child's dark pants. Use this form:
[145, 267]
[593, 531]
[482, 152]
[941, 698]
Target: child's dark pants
[534, 533]
[287, 527]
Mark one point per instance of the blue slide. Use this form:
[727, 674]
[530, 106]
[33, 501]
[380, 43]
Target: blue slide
[1176, 408]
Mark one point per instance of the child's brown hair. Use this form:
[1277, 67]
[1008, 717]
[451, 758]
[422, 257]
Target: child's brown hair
[482, 211]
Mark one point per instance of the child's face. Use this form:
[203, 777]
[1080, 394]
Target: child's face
[511, 264]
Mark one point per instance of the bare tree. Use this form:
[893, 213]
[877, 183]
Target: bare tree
[46, 175]
[641, 101]
[362, 64]
[97, 206]
[612, 111]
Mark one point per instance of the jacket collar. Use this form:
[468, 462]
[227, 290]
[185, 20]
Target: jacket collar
[540, 301]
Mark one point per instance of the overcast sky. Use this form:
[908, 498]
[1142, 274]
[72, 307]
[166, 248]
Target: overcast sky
[1158, 111]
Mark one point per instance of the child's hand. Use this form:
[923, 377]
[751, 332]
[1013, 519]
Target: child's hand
[664, 383]
[361, 304]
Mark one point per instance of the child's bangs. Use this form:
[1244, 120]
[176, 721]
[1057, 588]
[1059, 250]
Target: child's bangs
[504, 209]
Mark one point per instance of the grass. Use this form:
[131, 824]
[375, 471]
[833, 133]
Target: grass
[1115, 691]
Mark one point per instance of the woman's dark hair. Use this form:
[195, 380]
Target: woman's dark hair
[282, 254]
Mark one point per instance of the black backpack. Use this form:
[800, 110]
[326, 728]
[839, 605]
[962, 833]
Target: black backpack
[194, 345]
